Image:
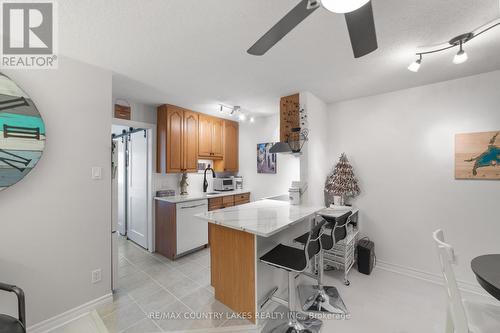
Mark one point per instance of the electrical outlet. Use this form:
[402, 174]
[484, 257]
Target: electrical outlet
[96, 275]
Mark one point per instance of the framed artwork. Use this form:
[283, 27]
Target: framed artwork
[22, 133]
[266, 162]
[477, 155]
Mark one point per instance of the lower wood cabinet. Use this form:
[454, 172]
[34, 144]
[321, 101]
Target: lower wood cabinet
[227, 201]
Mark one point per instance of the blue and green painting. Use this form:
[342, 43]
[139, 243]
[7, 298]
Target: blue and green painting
[490, 157]
[22, 133]
[478, 155]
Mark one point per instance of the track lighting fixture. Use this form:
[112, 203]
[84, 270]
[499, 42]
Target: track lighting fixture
[234, 111]
[457, 41]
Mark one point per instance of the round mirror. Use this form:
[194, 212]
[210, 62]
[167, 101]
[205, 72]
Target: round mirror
[22, 133]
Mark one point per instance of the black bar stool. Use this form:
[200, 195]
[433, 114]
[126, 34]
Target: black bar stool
[10, 324]
[320, 298]
[295, 261]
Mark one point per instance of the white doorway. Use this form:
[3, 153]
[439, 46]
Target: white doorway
[132, 195]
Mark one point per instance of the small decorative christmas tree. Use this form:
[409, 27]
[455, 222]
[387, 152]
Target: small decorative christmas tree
[341, 181]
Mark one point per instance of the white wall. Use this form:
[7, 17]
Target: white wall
[313, 162]
[55, 223]
[401, 145]
[265, 129]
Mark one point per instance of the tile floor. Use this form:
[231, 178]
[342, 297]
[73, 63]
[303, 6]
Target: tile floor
[383, 302]
[150, 285]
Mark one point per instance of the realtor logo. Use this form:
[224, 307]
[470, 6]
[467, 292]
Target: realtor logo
[28, 34]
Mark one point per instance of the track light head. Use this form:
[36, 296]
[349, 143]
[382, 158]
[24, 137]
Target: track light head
[460, 57]
[415, 66]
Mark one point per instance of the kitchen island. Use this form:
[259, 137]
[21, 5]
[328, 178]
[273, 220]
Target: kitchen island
[238, 237]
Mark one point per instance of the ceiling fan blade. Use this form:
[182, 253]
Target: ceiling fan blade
[361, 26]
[284, 26]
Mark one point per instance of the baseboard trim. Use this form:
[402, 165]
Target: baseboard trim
[70, 315]
[429, 277]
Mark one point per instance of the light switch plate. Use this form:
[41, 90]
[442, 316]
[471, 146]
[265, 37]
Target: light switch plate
[96, 276]
[96, 173]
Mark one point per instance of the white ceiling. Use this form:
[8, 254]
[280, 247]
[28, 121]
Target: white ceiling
[193, 53]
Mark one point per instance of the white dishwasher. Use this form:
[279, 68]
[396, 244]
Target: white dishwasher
[192, 232]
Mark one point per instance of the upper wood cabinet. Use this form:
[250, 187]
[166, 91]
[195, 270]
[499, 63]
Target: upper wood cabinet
[231, 129]
[183, 136]
[211, 137]
[190, 141]
[177, 140]
[230, 143]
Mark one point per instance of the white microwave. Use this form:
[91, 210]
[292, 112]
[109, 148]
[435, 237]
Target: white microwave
[224, 184]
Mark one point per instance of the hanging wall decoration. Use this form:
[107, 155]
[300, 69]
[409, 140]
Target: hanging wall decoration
[22, 133]
[477, 155]
[266, 161]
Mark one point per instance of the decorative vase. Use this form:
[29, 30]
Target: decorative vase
[184, 184]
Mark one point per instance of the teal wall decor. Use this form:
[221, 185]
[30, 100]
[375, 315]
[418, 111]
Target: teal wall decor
[22, 133]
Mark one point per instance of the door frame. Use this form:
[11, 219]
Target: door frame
[151, 128]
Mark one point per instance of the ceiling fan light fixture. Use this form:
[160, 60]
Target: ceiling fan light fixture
[343, 6]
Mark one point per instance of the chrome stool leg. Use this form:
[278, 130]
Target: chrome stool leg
[319, 298]
[293, 321]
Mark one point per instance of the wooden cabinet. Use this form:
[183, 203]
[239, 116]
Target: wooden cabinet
[240, 199]
[210, 136]
[218, 137]
[183, 136]
[228, 201]
[177, 140]
[231, 129]
[231, 140]
[190, 141]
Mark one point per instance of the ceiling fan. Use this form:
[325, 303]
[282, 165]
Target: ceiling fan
[358, 15]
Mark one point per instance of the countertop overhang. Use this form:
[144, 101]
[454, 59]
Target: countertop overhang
[199, 196]
[263, 217]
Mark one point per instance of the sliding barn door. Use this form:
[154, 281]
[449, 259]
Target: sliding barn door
[138, 189]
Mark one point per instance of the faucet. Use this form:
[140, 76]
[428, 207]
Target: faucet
[205, 182]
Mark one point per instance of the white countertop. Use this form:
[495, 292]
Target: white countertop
[263, 217]
[199, 196]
